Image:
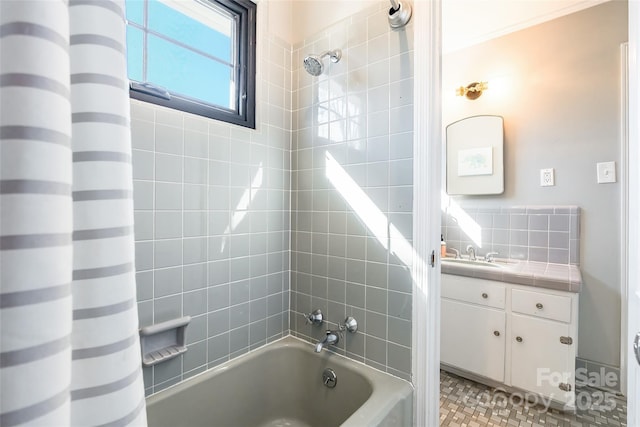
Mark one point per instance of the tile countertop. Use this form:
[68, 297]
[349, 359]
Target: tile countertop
[561, 277]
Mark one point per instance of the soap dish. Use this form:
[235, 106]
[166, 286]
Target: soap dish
[163, 341]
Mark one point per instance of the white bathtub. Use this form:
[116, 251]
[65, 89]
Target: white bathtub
[281, 385]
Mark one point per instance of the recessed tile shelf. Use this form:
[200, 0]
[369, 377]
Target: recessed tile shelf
[163, 341]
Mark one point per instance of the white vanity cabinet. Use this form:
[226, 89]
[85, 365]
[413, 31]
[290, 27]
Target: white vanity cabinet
[519, 336]
[473, 327]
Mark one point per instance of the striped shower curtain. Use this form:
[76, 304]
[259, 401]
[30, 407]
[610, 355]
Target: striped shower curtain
[69, 348]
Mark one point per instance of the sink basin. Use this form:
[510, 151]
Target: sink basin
[476, 263]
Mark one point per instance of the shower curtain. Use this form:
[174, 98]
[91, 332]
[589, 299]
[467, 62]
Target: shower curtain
[69, 348]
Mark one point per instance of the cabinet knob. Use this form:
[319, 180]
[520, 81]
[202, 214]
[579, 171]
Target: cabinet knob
[496, 333]
[519, 339]
[485, 295]
[539, 306]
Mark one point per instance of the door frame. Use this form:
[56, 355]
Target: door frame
[631, 297]
[427, 164]
[624, 210]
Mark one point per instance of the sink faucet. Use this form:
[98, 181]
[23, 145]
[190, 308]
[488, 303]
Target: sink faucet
[332, 338]
[471, 251]
[455, 252]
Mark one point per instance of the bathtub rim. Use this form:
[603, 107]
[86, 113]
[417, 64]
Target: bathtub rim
[387, 389]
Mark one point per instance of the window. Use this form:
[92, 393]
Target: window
[194, 55]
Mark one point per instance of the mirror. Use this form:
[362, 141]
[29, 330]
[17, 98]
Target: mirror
[475, 156]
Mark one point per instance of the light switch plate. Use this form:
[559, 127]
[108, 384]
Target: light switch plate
[547, 177]
[606, 172]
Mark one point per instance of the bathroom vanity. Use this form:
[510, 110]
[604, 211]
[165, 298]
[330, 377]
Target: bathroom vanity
[512, 326]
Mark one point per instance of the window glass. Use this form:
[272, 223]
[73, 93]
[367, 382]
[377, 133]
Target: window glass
[135, 55]
[190, 74]
[194, 55]
[135, 11]
[179, 27]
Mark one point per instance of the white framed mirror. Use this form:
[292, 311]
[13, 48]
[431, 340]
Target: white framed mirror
[475, 156]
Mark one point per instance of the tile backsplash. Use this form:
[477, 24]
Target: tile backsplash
[533, 233]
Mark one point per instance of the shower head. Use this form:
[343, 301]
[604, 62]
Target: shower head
[314, 65]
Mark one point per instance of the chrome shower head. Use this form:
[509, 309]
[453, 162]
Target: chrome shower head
[314, 65]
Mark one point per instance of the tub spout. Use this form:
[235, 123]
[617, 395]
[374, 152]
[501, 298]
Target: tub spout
[331, 338]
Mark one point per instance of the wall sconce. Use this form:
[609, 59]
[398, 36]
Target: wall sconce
[473, 90]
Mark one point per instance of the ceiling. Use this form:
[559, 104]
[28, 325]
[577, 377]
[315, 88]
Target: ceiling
[464, 22]
[468, 22]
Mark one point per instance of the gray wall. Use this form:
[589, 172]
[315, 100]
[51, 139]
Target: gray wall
[199, 250]
[346, 253]
[557, 85]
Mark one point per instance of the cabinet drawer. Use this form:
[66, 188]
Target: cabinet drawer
[541, 304]
[476, 291]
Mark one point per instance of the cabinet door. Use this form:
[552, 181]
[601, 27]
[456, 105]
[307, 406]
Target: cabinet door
[539, 361]
[473, 338]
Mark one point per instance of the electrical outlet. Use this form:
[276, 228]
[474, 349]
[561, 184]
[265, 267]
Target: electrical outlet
[606, 172]
[546, 177]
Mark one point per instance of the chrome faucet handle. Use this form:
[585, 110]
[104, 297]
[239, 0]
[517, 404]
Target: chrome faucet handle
[314, 318]
[350, 325]
[489, 257]
[455, 252]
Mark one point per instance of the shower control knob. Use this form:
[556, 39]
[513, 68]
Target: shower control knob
[519, 339]
[539, 306]
[314, 318]
[496, 333]
[350, 325]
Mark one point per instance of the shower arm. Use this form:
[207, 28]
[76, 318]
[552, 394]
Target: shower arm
[335, 55]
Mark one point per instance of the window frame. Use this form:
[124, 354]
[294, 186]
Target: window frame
[245, 74]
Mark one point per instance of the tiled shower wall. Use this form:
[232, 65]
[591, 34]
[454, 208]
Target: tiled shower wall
[533, 233]
[212, 223]
[352, 189]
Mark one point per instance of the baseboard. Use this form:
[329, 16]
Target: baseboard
[597, 375]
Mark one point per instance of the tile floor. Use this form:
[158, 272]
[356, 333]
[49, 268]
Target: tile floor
[465, 403]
